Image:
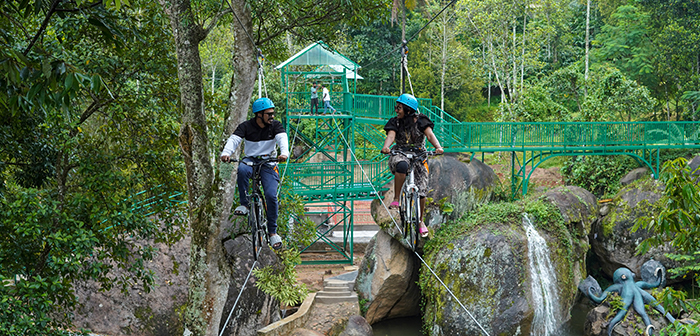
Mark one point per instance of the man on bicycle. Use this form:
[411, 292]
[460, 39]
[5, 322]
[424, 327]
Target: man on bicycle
[260, 134]
[409, 129]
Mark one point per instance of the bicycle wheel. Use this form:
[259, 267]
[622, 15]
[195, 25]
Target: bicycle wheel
[415, 219]
[263, 238]
[403, 211]
[253, 222]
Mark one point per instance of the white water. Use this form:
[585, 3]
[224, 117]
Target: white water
[545, 294]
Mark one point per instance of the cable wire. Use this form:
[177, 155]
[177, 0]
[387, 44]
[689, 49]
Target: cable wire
[237, 298]
[411, 38]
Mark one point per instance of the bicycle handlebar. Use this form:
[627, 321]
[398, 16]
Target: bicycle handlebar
[410, 155]
[252, 162]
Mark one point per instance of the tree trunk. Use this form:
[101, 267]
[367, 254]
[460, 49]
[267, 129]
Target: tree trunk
[209, 274]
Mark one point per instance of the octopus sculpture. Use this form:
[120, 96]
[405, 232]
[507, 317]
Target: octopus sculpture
[632, 293]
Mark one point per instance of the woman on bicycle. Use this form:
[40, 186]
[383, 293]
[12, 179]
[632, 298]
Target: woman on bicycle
[260, 135]
[409, 129]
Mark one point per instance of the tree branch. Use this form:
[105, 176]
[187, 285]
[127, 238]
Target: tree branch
[92, 5]
[222, 11]
[43, 26]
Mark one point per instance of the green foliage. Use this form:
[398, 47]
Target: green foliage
[616, 304]
[598, 174]
[679, 329]
[280, 281]
[674, 301]
[678, 221]
[293, 224]
[85, 126]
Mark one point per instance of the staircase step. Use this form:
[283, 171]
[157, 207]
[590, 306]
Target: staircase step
[333, 294]
[352, 297]
[334, 289]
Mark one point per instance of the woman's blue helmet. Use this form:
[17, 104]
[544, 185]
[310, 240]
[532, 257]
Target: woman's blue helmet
[262, 104]
[408, 100]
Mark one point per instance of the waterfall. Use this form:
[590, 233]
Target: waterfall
[545, 294]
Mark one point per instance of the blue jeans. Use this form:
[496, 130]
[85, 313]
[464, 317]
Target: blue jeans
[270, 179]
[326, 106]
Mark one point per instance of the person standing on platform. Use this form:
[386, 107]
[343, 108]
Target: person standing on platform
[326, 100]
[314, 99]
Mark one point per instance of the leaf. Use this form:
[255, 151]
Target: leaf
[95, 83]
[69, 81]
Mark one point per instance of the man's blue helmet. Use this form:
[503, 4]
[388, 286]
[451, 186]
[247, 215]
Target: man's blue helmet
[262, 104]
[408, 100]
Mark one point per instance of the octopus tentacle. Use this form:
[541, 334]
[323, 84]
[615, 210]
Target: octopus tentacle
[598, 299]
[638, 302]
[620, 315]
[651, 301]
[647, 285]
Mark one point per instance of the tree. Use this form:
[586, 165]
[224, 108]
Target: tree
[79, 139]
[677, 218]
[256, 25]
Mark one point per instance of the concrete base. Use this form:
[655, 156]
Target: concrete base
[286, 325]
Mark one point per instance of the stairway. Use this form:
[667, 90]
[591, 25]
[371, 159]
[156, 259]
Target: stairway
[338, 289]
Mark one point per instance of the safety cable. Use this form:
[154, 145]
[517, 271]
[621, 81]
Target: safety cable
[240, 23]
[397, 226]
[260, 58]
[237, 298]
[408, 75]
[411, 38]
[449, 291]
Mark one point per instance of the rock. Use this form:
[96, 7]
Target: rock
[255, 309]
[357, 326]
[153, 313]
[694, 163]
[597, 322]
[604, 210]
[463, 185]
[487, 267]
[305, 332]
[578, 206]
[387, 280]
[592, 284]
[634, 175]
[612, 238]
[652, 270]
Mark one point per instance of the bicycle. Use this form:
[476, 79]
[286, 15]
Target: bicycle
[409, 198]
[257, 217]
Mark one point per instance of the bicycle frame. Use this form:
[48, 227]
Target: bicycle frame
[257, 217]
[409, 200]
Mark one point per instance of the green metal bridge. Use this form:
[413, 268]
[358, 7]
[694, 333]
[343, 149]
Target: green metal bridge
[337, 158]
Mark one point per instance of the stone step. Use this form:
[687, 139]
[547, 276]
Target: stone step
[333, 294]
[349, 285]
[335, 289]
[321, 298]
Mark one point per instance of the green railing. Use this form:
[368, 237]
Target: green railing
[558, 135]
[331, 177]
[300, 102]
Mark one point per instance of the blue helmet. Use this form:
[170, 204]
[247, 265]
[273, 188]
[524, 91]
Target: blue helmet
[262, 104]
[408, 100]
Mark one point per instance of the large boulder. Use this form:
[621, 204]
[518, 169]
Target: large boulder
[486, 263]
[357, 326]
[386, 280]
[612, 238]
[140, 313]
[463, 185]
[159, 312]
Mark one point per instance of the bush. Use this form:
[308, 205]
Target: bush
[598, 174]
